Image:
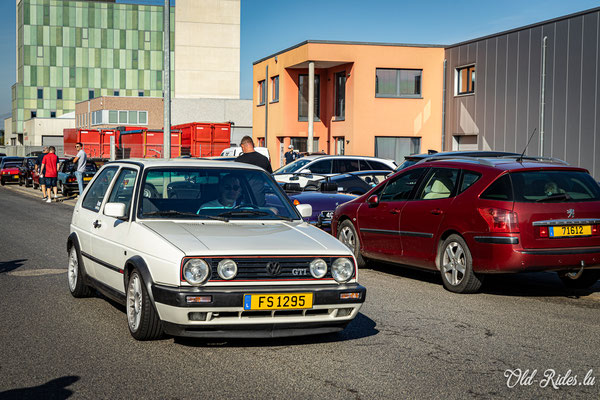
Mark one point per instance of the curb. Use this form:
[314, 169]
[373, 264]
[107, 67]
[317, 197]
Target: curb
[35, 193]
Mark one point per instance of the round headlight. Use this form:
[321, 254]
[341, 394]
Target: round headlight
[196, 271]
[342, 269]
[318, 268]
[227, 269]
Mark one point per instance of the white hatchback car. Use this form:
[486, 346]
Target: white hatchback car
[208, 249]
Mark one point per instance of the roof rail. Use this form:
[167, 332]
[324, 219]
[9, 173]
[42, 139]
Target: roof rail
[476, 160]
[536, 158]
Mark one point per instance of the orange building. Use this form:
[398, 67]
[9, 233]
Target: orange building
[373, 99]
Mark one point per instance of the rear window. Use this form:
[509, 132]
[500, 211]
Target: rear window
[554, 186]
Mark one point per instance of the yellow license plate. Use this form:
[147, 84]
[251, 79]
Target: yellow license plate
[570, 230]
[16, 176]
[87, 178]
[279, 301]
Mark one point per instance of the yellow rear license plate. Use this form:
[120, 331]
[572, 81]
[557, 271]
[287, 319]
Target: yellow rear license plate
[87, 178]
[570, 230]
[279, 301]
[16, 176]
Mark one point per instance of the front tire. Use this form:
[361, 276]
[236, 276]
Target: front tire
[2, 182]
[456, 266]
[76, 285]
[347, 234]
[142, 318]
[587, 279]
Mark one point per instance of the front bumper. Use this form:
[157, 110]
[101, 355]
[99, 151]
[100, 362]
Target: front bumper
[225, 315]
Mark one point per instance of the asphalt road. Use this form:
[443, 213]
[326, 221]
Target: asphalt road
[412, 339]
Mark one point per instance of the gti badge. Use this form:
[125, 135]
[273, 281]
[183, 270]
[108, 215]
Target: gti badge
[274, 268]
[571, 213]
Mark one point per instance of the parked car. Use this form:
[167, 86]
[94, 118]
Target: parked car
[468, 218]
[35, 176]
[359, 182]
[9, 169]
[66, 180]
[316, 167]
[237, 151]
[25, 170]
[415, 158]
[156, 236]
[323, 201]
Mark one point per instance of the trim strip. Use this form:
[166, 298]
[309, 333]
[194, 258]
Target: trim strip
[417, 234]
[398, 233]
[560, 252]
[104, 264]
[557, 222]
[382, 231]
[497, 239]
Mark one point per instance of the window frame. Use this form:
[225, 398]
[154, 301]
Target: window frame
[470, 83]
[275, 89]
[108, 189]
[399, 95]
[113, 187]
[262, 94]
[339, 116]
[317, 110]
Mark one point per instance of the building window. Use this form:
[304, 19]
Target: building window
[340, 146]
[465, 80]
[116, 93]
[303, 98]
[275, 86]
[300, 144]
[84, 33]
[33, 114]
[141, 93]
[340, 95]
[122, 117]
[133, 117]
[143, 117]
[52, 114]
[90, 94]
[59, 94]
[398, 82]
[261, 93]
[40, 51]
[146, 36]
[40, 93]
[396, 148]
[113, 117]
[261, 142]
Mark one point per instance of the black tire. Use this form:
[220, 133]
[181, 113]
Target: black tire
[142, 318]
[587, 279]
[2, 182]
[35, 185]
[20, 181]
[347, 234]
[27, 182]
[456, 266]
[77, 287]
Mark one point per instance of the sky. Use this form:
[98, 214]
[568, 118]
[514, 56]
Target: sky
[268, 26]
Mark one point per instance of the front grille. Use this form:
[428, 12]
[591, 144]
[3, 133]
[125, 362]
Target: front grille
[255, 268]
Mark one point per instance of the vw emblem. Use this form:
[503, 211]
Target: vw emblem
[571, 212]
[274, 268]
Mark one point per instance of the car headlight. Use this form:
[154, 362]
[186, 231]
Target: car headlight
[342, 269]
[227, 269]
[318, 268]
[196, 271]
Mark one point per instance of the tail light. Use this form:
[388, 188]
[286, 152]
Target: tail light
[595, 230]
[500, 220]
[71, 179]
[543, 231]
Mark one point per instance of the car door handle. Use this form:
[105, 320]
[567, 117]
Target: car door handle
[97, 224]
[395, 211]
[437, 211]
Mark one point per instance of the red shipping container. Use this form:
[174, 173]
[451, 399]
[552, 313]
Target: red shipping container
[205, 139]
[90, 138]
[145, 143]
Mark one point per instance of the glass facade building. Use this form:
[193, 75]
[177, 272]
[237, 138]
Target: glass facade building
[70, 51]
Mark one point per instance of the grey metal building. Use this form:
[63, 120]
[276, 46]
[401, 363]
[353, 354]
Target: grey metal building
[496, 91]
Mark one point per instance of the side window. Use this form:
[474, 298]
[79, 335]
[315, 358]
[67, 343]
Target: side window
[342, 166]
[122, 191]
[440, 184]
[364, 165]
[95, 194]
[379, 165]
[401, 187]
[501, 189]
[468, 178]
[320, 167]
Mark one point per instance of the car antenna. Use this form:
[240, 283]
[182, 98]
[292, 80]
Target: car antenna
[520, 159]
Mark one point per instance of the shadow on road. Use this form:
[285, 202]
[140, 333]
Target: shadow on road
[361, 327]
[528, 284]
[8, 266]
[54, 389]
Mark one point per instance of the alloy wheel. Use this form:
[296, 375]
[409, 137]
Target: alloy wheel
[134, 302]
[73, 270]
[347, 237]
[454, 263]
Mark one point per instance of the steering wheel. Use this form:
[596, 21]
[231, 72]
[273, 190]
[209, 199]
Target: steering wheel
[150, 191]
[251, 206]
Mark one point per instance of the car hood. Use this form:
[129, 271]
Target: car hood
[246, 238]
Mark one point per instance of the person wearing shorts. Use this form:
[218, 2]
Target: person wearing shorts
[50, 171]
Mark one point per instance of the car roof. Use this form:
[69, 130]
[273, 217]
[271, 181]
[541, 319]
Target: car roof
[464, 153]
[185, 162]
[504, 164]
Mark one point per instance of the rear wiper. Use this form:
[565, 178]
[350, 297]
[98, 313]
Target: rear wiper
[175, 213]
[555, 197]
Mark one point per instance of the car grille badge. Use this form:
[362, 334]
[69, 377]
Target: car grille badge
[571, 213]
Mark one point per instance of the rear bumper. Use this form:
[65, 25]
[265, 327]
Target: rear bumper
[10, 178]
[505, 254]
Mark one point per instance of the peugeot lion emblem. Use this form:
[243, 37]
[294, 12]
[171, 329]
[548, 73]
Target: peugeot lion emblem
[274, 268]
[571, 213]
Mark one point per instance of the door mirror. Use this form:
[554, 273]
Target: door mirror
[305, 171]
[115, 210]
[305, 210]
[373, 200]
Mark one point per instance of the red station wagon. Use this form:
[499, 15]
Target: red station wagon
[475, 216]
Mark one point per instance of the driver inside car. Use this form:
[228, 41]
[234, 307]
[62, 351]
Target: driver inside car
[229, 193]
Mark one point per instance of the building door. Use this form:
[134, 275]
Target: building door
[464, 142]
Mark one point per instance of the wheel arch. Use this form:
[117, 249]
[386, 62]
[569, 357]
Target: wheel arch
[73, 240]
[137, 262]
[441, 240]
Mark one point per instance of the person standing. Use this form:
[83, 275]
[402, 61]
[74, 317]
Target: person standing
[38, 169]
[50, 171]
[290, 155]
[80, 159]
[251, 156]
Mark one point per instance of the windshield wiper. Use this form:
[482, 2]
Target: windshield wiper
[555, 197]
[244, 213]
[175, 213]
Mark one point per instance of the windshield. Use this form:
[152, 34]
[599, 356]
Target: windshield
[554, 186]
[212, 193]
[12, 165]
[72, 167]
[296, 166]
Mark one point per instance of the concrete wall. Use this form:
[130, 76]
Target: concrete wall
[505, 107]
[207, 49]
[8, 131]
[34, 129]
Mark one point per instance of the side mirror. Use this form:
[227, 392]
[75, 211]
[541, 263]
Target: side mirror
[305, 171]
[373, 200]
[115, 210]
[305, 210]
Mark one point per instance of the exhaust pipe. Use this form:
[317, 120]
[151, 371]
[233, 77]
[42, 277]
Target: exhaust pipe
[576, 275]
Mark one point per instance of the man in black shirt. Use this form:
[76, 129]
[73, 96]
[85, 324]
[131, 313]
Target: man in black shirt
[253, 157]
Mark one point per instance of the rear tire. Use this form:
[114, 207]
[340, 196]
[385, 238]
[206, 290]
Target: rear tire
[77, 287]
[2, 182]
[347, 234]
[20, 181]
[456, 266]
[587, 279]
[142, 318]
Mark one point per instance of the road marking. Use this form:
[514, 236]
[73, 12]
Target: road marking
[36, 193]
[38, 272]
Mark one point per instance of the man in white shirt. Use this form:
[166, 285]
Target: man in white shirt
[80, 159]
